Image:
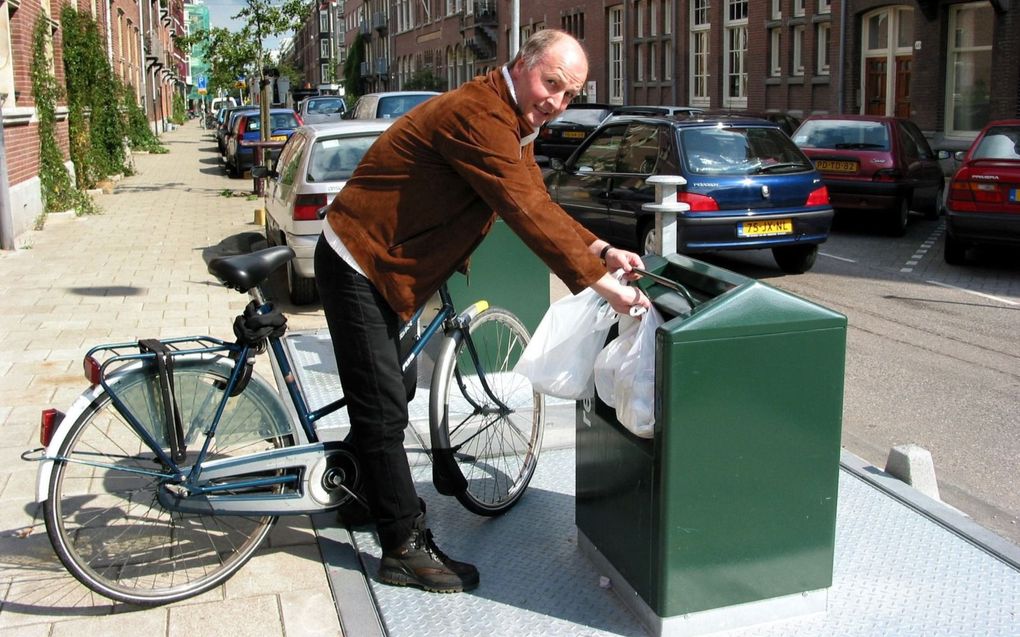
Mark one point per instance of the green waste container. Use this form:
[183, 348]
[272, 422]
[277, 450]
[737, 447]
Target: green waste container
[728, 512]
[506, 273]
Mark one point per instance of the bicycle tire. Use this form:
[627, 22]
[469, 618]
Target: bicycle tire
[496, 451]
[105, 523]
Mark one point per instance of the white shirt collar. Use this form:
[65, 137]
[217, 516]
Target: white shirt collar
[513, 95]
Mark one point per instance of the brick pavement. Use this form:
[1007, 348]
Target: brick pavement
[137, 270]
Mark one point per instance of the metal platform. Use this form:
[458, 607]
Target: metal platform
[904, 564]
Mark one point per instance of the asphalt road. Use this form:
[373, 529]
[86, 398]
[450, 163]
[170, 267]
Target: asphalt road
[933, 355]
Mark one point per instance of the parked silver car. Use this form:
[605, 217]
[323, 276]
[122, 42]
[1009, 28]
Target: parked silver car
[387, 105]
[322, 108]
[314, 165]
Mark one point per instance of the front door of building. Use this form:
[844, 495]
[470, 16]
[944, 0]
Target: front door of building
[875, 80]
[901, 87]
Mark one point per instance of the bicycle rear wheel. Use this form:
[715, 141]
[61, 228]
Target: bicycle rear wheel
[490, 417]
[102, 514]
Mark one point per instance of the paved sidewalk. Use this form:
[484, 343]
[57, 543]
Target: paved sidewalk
[137, 270]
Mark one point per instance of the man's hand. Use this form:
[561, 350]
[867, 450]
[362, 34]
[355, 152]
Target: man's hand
[617, 259]
[620, 297]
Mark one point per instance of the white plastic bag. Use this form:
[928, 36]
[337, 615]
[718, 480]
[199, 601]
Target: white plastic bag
[630, 364]
[560, 358]
[608, 362]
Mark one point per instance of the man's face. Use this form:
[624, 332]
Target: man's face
[544, 91]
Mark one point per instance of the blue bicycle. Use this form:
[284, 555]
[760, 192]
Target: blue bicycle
[167, 474]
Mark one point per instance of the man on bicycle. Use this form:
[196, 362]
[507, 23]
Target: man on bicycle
[421, 200]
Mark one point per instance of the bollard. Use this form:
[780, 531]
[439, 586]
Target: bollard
[666, 208]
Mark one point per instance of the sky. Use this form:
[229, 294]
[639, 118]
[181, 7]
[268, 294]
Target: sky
[220, 12]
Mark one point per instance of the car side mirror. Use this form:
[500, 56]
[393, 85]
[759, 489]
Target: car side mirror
[556, 163]
[959, 155]
[943, 154]
[261, 172]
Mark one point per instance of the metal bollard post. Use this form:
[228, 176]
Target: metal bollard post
[666, 208]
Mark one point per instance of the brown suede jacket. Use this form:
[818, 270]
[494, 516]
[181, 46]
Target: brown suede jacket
[426, 193]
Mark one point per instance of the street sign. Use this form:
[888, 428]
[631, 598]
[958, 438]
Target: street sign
[202, 83]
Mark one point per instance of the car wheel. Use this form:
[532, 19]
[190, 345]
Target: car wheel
[795, 259]
[897, 220]
[955, 251]
[647, 237]
[302, 290]
[937, 205]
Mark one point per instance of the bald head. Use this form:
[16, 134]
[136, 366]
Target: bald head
[547, 73]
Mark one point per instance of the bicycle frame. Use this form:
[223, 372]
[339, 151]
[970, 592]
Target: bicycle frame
[213, 485]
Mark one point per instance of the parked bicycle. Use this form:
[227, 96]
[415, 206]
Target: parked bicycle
[167, 474]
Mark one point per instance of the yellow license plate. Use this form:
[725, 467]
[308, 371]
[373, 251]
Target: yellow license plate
[765, 228]
[836, 166]
[573, 134]
[279, 138]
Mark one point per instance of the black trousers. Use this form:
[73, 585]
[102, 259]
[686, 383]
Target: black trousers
[366, 341]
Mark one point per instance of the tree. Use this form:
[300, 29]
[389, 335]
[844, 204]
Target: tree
[242, 53]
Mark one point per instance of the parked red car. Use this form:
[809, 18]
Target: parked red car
[875, 163]
[984, 195]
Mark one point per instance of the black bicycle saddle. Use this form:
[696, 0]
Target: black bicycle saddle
[242, 272]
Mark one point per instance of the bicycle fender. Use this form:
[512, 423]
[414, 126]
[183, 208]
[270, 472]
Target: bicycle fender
[78, 407]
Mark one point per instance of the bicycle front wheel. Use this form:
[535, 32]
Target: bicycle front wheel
[490, 417]
[102, 514]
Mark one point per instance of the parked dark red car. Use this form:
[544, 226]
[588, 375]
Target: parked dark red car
[871, 163]
[983, 207]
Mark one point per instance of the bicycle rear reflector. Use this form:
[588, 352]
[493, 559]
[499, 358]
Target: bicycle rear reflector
[93, 370]
[51, 419]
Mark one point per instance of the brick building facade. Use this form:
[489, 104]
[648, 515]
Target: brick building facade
[930, 60]
[138, 39]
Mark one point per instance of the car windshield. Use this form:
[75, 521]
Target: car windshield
[326, 107]
[843, 135]
[741, 151]
[397, 105]
[1000, 142]
[277, 121]
[583, 116]
[335, 159]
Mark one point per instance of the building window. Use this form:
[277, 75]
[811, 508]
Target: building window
[970, 67]
[639, 18]
[824, 6]
[776, 10]
[667, 60]
[775, 52]
[615, 29]
[735, 90]
[667, 17]
[699, 13]
[822, 46]
[324, 21]
[639, 58]
[798, 8]
[325, 48]
[798, 50]
[573, 24]
[6, 58]
[653, 61]
[653, 18]
[324, 73]
[699, 69]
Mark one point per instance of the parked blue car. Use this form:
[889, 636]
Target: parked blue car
[748, 185]
[240, 153]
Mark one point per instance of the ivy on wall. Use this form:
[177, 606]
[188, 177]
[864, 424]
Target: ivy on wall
[58, 193]
[95, 120]
[352, 70]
